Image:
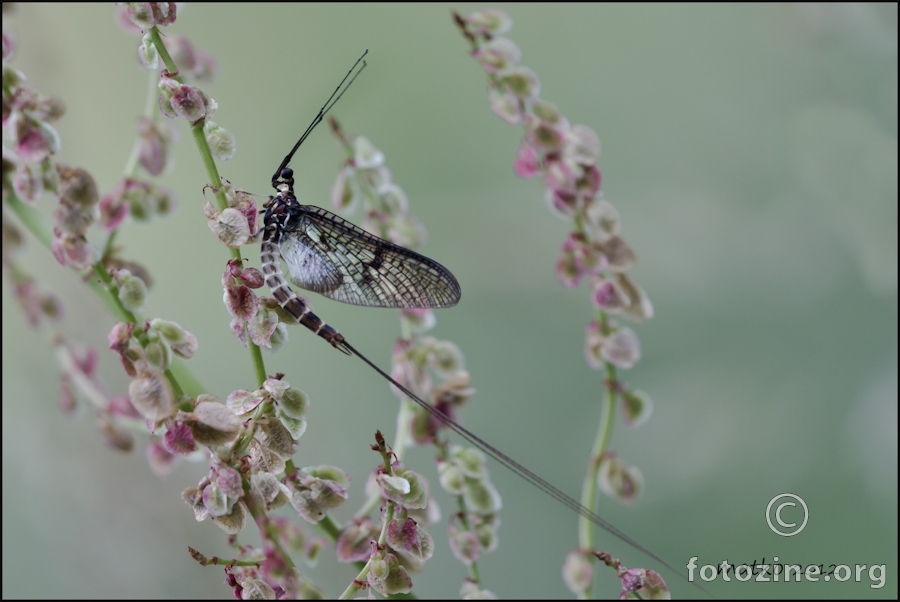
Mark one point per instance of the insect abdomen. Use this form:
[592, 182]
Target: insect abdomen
[289, 300]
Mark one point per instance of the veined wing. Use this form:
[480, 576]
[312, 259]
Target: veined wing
[330, 256]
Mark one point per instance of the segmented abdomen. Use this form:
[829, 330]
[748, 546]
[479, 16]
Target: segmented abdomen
[288, 299]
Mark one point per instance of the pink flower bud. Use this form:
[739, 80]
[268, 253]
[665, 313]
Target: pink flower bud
[620, 481]
[527, 162]
[577, 572]
[28, 183]
[505, 106]
[404, 535]
[161, 460]
[489, 21]
[622, 348]
[179, 440]
[583, 145]
[498, 54]
[608, 296]
[355, 541]
[464, 544]
[620, 256]
[522, 82]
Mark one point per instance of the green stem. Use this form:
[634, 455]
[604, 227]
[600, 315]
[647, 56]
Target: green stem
[267, 530]
[601, 444]
[212, 174]
[464, 519]
[382, 537]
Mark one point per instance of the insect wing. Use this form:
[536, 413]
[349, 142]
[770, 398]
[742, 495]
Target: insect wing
[331, 256]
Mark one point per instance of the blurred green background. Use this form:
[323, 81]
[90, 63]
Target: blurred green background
[752, 154]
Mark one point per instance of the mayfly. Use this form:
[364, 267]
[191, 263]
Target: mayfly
[332, 257]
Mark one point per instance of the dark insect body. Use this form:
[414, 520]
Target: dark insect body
[329, 255]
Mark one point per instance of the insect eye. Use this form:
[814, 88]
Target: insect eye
[287, 173]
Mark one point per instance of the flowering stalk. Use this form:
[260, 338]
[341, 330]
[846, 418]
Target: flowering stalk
[565, 157]
[248, 440]
[418, 359]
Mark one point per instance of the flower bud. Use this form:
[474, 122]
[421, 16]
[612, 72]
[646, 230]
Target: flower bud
[261, 326]
[355, 541]
[28, 183]
[365, 155]
[464, 544]
[394, 200]
[644, 584]
[182, 341]
[77, 187]
[522, 82]
[188, 102]
[389, 577]
[527, 162]
[577, 572]
[317, 490]
[445, 358]
[211, 422]
[470, 461]
[151, 394]
[636, 407]
[451, 477]
[639, 307]
[608, 296]
[481, 496]
[405, 536]
[294, 403]
[132, 290]
[505, 106]
[148, 57]
[345, 195]
[583, 145]
[490, 21]
[179, 440]
[276, 438]
[229, 481]
[622, 348]
[545, 135]
[161, 460]
[498, 54]
[620, 481]
[620, 256]
[221, 142]
[256, 589]
[233, 522]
